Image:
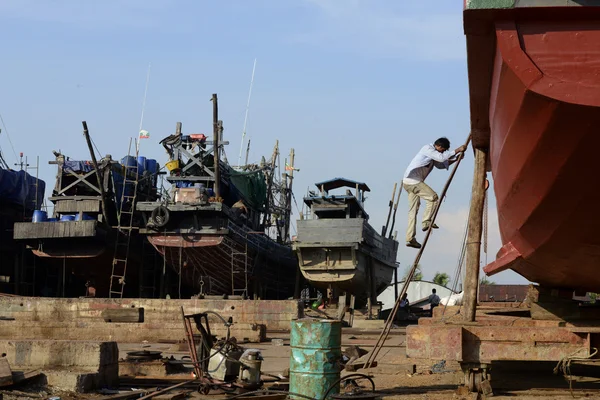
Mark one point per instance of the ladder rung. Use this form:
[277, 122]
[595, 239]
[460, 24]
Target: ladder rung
[119, 260]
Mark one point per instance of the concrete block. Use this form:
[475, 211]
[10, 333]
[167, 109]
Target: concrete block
[81, 381]
[120, 332]
[368, 324]
[274, 314]
[40, 354]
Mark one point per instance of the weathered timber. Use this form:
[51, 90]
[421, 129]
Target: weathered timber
[123, 315]
[5, 373]
[475, 229]
[19, 376]
[75, 204]
[57, 229]
[95, 163]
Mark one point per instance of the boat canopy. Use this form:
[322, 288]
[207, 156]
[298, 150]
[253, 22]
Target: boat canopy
[336, 183]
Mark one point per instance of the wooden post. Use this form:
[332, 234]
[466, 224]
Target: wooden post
[396, 284]
[475, 228]
[288, 203]
[391, 206]
[217, 186]
[95, 164]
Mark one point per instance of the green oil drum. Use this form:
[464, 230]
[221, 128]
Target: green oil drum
[315, 357]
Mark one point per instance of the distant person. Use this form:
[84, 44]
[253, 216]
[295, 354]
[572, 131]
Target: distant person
[431, 155]
[434, 301]
[404, 303]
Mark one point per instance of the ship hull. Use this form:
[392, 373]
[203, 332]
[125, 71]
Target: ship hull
[230, 264]
[543, 119]
[346, 255]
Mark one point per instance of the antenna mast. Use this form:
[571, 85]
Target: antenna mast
[246, 117]
[137, 141]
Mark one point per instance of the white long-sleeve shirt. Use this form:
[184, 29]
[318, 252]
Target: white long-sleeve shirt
[422, 164]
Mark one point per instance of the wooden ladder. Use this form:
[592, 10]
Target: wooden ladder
[124, 228]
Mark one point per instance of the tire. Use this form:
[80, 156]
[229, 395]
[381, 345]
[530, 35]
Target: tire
[160, 216]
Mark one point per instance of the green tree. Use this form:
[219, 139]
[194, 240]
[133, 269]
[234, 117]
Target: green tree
[441, 278]
[418, 275]
[593, 297]
[485, 281]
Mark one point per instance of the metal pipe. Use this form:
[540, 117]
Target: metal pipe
[217, 185]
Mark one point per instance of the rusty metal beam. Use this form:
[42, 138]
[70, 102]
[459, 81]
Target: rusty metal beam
[484, 344]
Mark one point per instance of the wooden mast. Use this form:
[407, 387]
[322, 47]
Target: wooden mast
[475, 228]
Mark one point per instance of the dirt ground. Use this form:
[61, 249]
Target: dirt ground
[393, 376]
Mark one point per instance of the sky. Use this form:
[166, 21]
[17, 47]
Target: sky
[356, 87]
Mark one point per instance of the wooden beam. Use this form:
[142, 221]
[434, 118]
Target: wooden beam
[95, 164]
[475, 229]
[5, 373]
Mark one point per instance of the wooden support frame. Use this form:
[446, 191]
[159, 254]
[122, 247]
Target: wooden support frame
[80, 178]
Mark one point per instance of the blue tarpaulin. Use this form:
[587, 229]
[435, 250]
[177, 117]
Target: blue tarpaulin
[78, 166]
[18, 187]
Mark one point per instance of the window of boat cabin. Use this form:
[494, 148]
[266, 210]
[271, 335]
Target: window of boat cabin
[336, 207]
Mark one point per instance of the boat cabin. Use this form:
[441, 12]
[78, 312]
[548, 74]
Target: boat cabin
[346, 204]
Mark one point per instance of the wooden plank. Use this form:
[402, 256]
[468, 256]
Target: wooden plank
[19, 376]
[5, 373]
[76, 205]
[58, 229]
[135, 315]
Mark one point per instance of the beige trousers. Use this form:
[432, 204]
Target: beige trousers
[415, 194]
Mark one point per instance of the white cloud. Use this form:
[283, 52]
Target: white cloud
[356, 25]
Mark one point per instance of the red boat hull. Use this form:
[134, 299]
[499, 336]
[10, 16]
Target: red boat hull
[543, 123]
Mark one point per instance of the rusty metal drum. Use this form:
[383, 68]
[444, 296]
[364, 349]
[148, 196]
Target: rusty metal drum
[315, 357]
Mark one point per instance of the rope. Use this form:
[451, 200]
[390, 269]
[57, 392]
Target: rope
[564, 365]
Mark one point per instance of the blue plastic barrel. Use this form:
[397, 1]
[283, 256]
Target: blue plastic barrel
[129, 161]
[86, 217]
[67, 217]
[39, 216]
[315, 355]
[52, 220]
[151, 166]
[141, 160]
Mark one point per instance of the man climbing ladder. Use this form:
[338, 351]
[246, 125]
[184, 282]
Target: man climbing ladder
[430, 155]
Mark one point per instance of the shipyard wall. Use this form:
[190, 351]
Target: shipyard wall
[160, 320]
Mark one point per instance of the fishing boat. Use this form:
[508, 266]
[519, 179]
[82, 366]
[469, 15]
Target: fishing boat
[77, 241]
[338, 249]
[223, 230]
[535, 104]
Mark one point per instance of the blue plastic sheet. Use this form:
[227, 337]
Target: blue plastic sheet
[78, 166]
[18, 187]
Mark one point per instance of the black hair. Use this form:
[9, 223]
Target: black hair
[433, 290]
[444, 142]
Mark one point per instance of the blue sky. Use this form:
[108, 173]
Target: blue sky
[355, 87]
